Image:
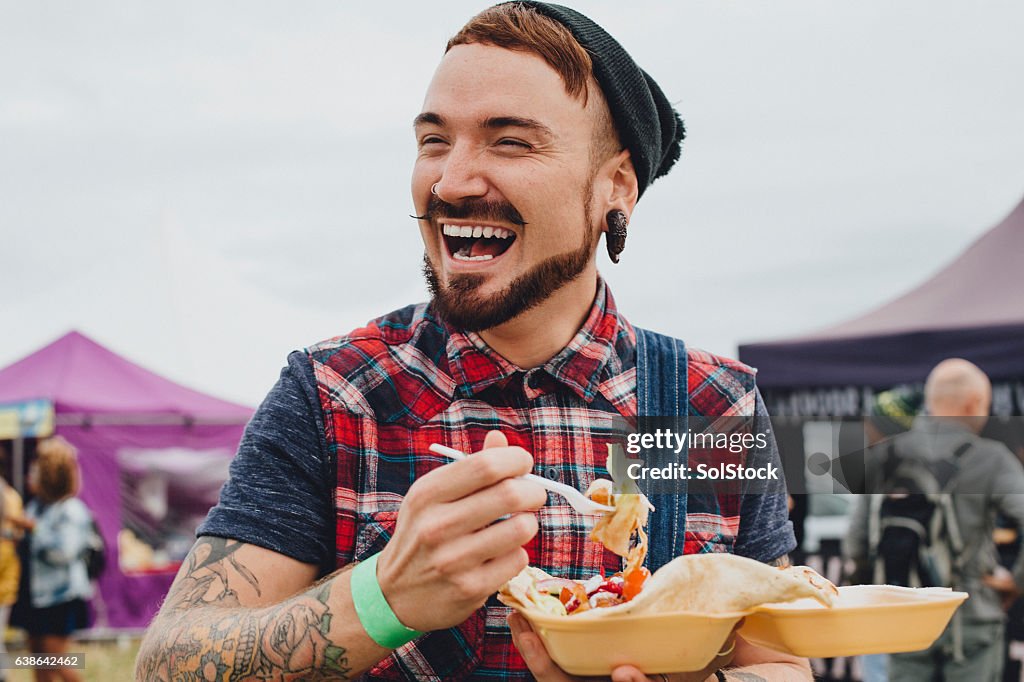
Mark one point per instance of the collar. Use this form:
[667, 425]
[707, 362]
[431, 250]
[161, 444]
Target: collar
[589, 358]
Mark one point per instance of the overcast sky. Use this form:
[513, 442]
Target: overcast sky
[204, 187]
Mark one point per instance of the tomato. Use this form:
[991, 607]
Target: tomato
[634, 582]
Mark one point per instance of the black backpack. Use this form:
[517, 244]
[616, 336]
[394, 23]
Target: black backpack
[913, 535]
[95, 554]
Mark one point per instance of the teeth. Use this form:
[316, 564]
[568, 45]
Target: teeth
[461, 256]
[487, 232]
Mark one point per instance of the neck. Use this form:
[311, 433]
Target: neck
[539, 334]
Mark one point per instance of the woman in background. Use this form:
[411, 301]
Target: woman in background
[59, 583]
[12, 526]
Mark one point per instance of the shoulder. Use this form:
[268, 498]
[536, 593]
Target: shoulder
[407, 326]
[71, 509]
[383, 366]
[995, 449]
[710, 362]
[720, 386]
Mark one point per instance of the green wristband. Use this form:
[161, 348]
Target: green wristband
[379, 621]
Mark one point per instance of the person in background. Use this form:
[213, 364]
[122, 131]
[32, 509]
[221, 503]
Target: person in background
[987, 480]
[12, 526]
[59, 581]
[892, 413]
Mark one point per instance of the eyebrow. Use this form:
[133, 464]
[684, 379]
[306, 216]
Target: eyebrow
[492, 123]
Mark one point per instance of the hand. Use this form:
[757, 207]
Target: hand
[1001, 580]
[545, 670]
[447, 555]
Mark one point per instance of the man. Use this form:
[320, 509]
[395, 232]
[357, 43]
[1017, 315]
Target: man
[986, 479]
[538, 133]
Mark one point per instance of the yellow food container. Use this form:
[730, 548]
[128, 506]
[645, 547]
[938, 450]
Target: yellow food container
[865, 619]
[654, 643]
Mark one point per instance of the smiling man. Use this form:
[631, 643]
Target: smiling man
[341, 547]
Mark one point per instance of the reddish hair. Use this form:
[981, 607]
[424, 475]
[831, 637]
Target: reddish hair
[57, 466]
[518, 27]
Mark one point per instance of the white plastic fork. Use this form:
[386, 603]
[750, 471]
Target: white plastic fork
[576, 499]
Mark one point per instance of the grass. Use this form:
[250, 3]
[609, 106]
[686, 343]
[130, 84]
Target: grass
[104, 661]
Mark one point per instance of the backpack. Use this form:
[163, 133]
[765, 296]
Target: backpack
[913, 534]
[95, 554]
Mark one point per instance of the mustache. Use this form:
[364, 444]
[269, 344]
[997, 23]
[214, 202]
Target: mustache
[475, 209]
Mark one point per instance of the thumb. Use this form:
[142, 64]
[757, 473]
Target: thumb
[495, 439]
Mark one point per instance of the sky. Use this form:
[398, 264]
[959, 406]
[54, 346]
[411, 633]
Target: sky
[205, 187]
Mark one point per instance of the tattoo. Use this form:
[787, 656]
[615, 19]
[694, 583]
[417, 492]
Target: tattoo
[779, 562]
[222, 640]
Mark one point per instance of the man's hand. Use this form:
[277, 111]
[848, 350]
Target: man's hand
[545, 670]
[1001, 580]
[449, 552]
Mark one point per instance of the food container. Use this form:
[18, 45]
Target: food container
[865, 619]
[654, 643]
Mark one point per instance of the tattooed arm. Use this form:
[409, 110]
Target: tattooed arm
[237, 611]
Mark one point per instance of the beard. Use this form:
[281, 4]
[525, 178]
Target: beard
[460, 304]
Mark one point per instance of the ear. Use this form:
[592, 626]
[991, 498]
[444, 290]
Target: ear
[620, 187]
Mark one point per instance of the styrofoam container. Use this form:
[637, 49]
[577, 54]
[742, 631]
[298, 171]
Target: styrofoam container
[865, 619]
[654, 643]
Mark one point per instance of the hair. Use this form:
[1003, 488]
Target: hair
[514, 26]
[57, 462]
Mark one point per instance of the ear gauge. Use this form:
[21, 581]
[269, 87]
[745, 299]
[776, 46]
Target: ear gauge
[615, 238]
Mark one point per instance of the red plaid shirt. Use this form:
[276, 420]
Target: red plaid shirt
[405, 381]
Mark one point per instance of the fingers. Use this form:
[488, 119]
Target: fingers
[459, 479]
[627, 673]
[495, 439]
[485, 506]
[531, 648]
[493, 541]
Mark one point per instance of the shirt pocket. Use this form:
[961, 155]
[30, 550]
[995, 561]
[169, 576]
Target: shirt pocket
[375, 529]
[708, 535]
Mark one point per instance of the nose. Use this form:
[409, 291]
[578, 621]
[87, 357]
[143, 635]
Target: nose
[463, 175]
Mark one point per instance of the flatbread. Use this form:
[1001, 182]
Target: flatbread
[723, 583]
[698, 583]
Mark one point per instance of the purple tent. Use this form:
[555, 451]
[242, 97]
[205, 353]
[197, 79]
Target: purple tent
[973, 308]
[132, 428]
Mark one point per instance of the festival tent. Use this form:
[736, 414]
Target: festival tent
[973, 308]
[153, 455]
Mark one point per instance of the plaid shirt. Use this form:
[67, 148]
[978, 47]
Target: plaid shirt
[405, 381]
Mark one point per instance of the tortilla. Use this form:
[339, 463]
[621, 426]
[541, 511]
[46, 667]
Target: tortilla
[724, 583]
[699, 583]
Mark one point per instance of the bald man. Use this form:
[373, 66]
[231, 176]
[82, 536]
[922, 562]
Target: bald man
[988, 480]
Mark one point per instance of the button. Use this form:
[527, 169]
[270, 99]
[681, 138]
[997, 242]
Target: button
[551, 473]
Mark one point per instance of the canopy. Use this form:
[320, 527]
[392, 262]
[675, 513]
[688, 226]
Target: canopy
[973, 308]
[135, 431]
[81, 377]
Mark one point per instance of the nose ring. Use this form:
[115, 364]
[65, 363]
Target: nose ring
[433, 188]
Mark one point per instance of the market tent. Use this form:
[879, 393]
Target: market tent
[152, 454]
[973, 308]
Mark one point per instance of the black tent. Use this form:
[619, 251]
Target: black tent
[973, 308]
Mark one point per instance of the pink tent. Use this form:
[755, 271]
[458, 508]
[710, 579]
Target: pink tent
[153, 454]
